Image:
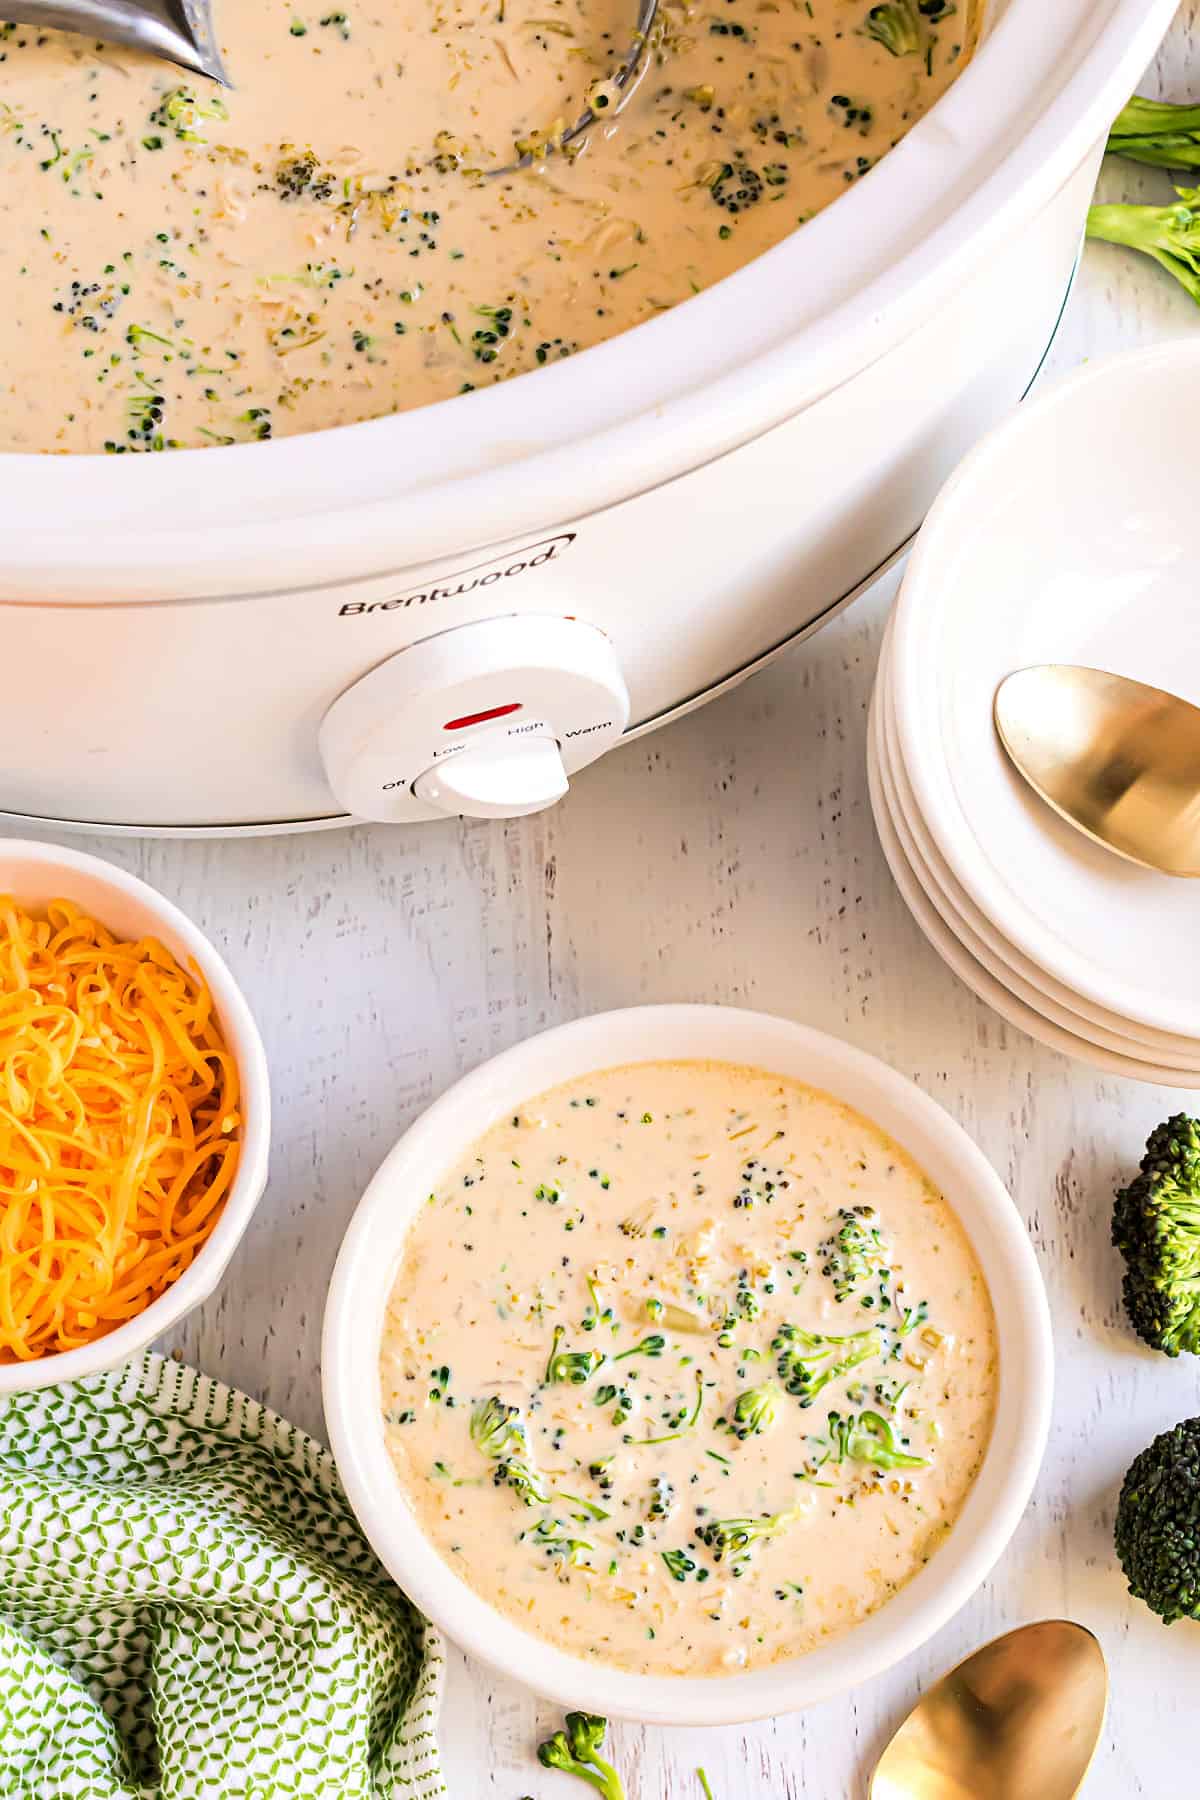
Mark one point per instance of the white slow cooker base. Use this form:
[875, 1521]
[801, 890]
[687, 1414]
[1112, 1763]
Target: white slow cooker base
[332, 821]
[335, 821]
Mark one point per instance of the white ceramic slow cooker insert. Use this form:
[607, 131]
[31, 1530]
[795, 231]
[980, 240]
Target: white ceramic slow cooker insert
[453, 609]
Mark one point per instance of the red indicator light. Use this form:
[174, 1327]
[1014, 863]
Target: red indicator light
[481, 718]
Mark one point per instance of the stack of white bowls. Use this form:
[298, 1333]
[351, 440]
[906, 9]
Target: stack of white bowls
[1068, 536]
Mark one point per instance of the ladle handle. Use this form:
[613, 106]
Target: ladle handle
[179, 30]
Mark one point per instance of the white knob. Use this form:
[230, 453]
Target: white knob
[486, 719]
[503, 780]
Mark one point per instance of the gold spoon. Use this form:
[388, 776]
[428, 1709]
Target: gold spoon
[1115, 758]
[1020, 1718]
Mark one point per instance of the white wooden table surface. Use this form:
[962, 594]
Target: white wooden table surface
[729, 858]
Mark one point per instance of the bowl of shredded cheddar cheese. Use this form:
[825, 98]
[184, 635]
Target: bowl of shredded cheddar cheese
[134, 1115]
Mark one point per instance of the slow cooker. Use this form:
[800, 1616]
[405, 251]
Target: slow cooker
[451, 610]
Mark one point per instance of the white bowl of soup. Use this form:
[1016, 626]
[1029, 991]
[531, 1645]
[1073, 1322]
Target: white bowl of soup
[688, 1362]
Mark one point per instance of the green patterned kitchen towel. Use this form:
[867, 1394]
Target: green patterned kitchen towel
[188, 1610]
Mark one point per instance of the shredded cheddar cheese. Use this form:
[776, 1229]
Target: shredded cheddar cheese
[119, 1127]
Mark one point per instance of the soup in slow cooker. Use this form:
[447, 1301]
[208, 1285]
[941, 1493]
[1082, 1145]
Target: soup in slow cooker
[687, 1367]
[184, 266]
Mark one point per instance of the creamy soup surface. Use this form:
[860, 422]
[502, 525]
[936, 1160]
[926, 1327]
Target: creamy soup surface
[182, 265]
[687, 1368]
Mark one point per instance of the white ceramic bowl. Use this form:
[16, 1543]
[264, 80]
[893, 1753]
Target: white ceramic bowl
[1091, 1019]
[35, 873]
[1073, 1030]
[1067, 535]
[363, 1277]
[965, 956]
[1041, 991]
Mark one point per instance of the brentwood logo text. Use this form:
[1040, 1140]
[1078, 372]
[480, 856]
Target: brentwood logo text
[481, 575]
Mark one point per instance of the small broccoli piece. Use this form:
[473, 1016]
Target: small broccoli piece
[662, 1498]
[810, 1360]
[754, 1411]
[746, 1301]
[301, 178]
[855, 1254]
[734, 185]
[1157, 1531]
[1170, 234]
[601, 1473]
[181, 111]
[869, 1438]
[733, 1539]
[574, 1366]
[1157, 132]
[495, 1426]
[1156, 1227]
[654, 1345]
[576, 1751]
[896, 27]
[626, 1401]
[551, 1536]
[499, 1432]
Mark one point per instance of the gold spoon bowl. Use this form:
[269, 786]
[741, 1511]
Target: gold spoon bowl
[1117, 759]
[1018, 1720]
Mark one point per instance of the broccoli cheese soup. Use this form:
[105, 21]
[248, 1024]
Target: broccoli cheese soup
[324, 242]
[687, 1368]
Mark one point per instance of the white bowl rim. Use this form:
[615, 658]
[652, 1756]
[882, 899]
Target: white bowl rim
[962, 961]
[362, 1278]
[242, 1038]
[948, 517]
[956, 912]
[1184, 1051]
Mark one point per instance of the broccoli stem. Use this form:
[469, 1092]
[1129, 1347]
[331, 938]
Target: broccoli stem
[1170, 234]
[1157, 132]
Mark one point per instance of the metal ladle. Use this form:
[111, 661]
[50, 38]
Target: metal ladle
[1019, 1718]
[182, 32]
[179, 30]
[608, 96]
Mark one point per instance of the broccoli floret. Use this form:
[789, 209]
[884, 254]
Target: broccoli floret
[735, 1538]
[1156, 1227]
[551, 1536]
[576, 1751]
[810, 1360]
[754, 1410]
[302, 178]
[601, 1473]
[1170, 234]
[181, 111]
[654, 1345]
[574, 1366]
[869, 1438]
[498, 1431]
[746, 1301]
[735, 186]
[662, 1498]
[855, 1254]
[895, 26]
[1157, 132]
[1158, 1524]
